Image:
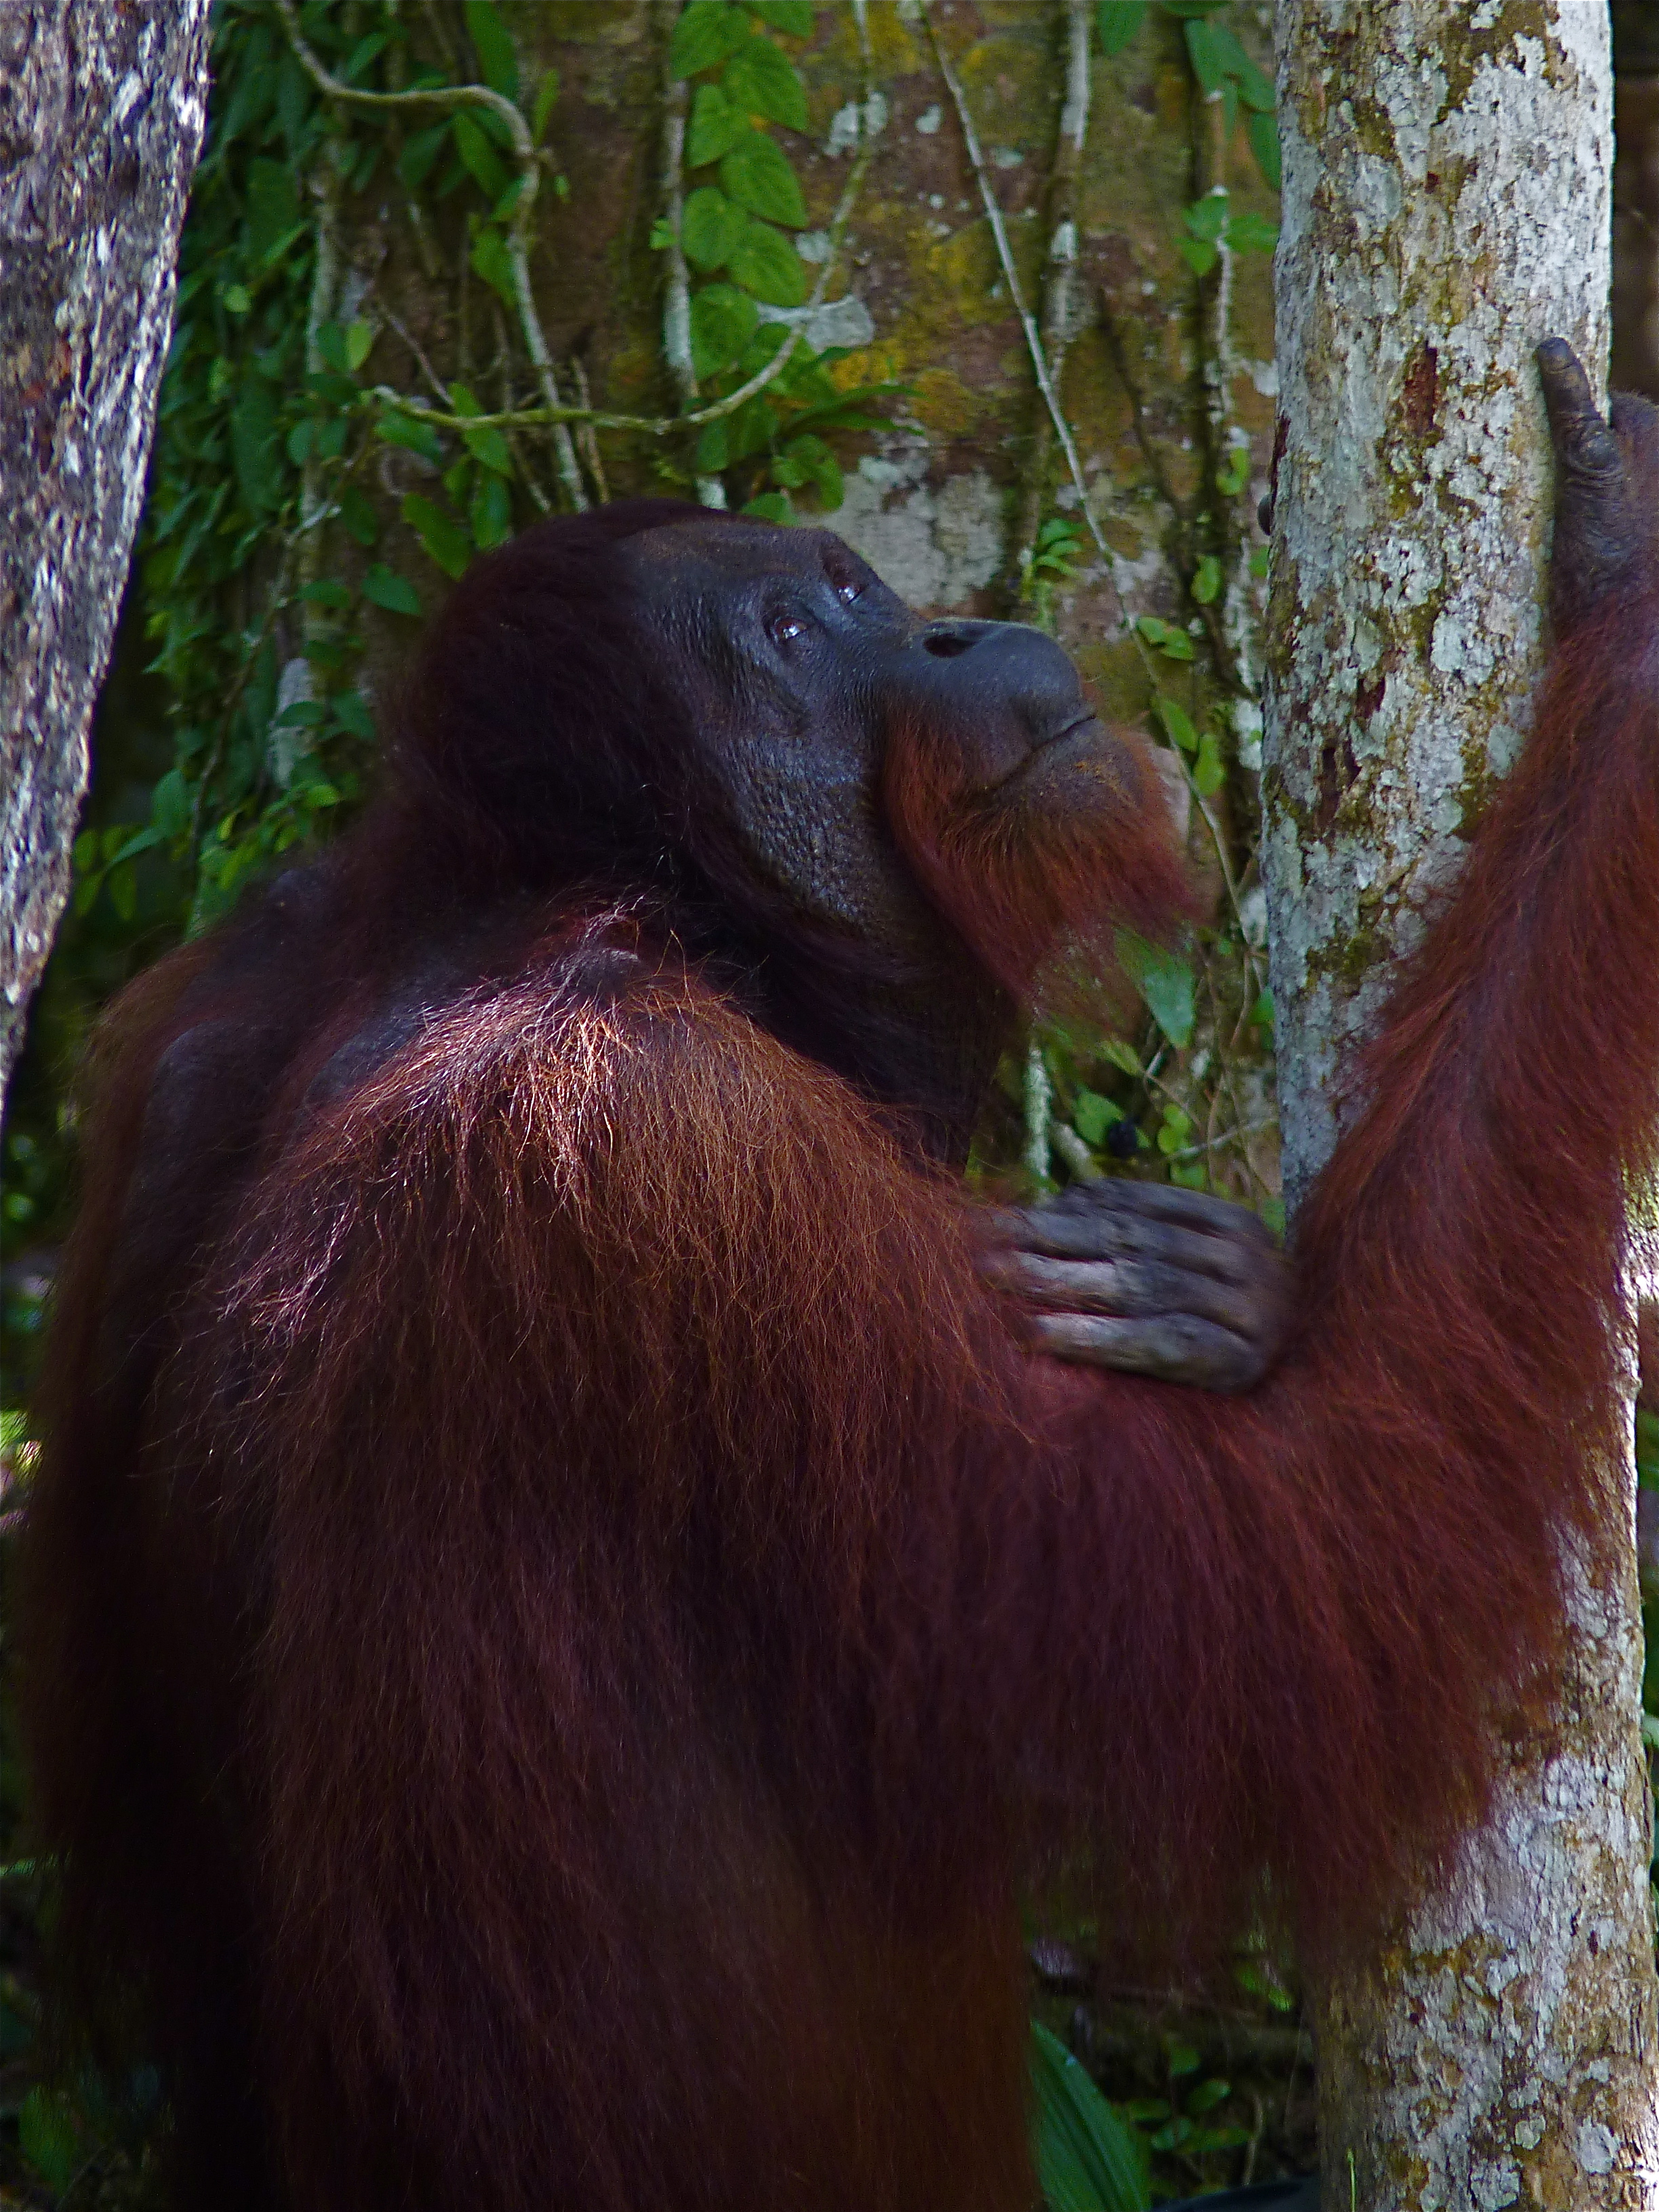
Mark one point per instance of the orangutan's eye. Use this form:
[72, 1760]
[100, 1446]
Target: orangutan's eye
[844, 580]
[785, 629]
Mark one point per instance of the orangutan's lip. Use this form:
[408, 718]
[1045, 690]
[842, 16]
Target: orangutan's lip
[1080, 727]
[1082, 721]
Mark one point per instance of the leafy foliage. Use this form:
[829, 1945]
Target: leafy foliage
[735, 232]
[1087, 2160]
[1220, 63]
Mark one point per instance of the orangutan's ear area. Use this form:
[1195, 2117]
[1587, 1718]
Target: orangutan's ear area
[562, 1613]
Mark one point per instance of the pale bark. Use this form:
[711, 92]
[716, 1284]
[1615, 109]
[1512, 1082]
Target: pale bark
[102, 110]
[1446, 206]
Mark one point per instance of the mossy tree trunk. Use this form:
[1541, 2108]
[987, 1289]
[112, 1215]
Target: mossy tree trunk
[1446, 206]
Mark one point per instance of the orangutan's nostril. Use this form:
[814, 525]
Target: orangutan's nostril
[946, 644]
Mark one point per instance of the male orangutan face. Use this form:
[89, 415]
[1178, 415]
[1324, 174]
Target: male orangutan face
[879, 768]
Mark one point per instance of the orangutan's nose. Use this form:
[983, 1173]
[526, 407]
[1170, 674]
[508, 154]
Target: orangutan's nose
[1006, 686]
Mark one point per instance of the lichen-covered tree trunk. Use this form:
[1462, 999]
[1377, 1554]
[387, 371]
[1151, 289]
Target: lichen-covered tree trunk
[101, 109]
[1446, 205]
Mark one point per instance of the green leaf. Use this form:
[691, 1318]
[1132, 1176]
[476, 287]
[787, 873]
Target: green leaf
[1206, 56]
[359, 344]
[762, 80]
[49, 2136]
[352, 713]
[1164, 981]
[491, 512]
[491, 260]
[705, 34]
[300, 714]
[362, 54]
[712, 228]
[1206, 580]
[1208, 218]
[1092, 1115]
[767, 264]
[723, 320]
[238, 300]
[1251, 232]
[1177, 724]
[420, 152]
[1234, 471]
[770, 507]
[1199, 256]
[169, 805]
[1647, 1449]
[273, 207]
[1209, 773]
[1255, 87]
[792, 17]
[441, 534]
[546, 94]
[488, 447]
[493, 46]
[389, 590]
[409, 432]
[1087, 2159]
[1172, 642]
[358, 513]
[1121, 1055]
[1207, 2095]
[1117, 21]
[484, 164]
[714, 447]
[1262, 131]
[1172, 1135]
[254, 452]
[716, 127]
[122, 885]
[756, 174]
[807, 460]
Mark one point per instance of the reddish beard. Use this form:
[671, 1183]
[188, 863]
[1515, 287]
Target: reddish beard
[1038, 871]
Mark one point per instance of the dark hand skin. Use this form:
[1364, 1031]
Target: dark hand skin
[1148, 1278]
[1607, 532]
[1167, 1282]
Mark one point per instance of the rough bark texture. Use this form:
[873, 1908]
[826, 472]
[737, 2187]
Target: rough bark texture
[101, 108]
[1446, 205]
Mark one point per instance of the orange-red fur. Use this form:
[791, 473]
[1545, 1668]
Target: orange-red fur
[548, 1676]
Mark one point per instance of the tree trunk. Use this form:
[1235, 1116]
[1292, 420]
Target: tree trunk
[1445, 206]
[103, 108]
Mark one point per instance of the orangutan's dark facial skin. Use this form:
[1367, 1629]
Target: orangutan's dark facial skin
[796, 659]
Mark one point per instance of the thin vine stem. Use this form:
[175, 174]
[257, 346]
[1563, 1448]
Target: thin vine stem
[655, 425]
[448, 99]
[1011, 274]
[1056, 305]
